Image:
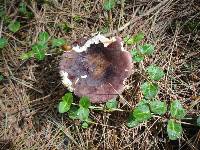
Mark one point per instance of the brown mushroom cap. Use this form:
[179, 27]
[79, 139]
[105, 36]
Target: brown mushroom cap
[98, 70]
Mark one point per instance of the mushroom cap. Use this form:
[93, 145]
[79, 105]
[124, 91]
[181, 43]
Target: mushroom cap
[96, 68]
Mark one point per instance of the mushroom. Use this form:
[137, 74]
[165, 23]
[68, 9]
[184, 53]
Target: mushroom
[96, 67]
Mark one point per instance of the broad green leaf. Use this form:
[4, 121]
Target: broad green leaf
[111, 104]
[136, 55]
[149, 90]
[63, 107]
[83, 113]
[198, 121]
[39, 51]
[142, 113]
[68, 97]
[58, 42]
[174, 130]
[26, 55]
[131, 123]
[85, 102]
[43, 37]
[146, 49]
[134, 39]
[73, 112]
[66, 102]
[85, 125]
[155, 73]
[14, 26]
[1, 77]
[158, 107]
[143, 102]
[176, 109]
[3, 42]
[22, 8]
[109, 4]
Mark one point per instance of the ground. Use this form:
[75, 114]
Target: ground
[31, 89]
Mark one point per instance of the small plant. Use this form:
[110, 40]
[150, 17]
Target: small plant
[140, 51]
[22, 9]
[66, 102]
[81, 111]
[58, 42]
[39, 49]
[3, 42]
[111, 104]
[14, 26]
[74, 112]
[134, 39]
[109, 4]
[149, 106]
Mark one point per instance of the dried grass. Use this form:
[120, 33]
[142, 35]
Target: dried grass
[31, 90]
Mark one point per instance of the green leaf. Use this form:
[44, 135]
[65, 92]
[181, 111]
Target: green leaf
[136, 55]
[68, 97]
[146, 49]
[83, 113]
[155, 73]
[85, 125]
[39, 51]
[174, 130]
[3, 42]
[26, 55]
[43, 37]
[22, 8]
[111, 104]
[1, 77]
[158, 107]
[73, 112]
[14, 26]
[149, 90]
[66, 102]
[63, 107]
[198, 121]
[142, 113]
[58, 42]
[85, 102]
[109, 4]
[131, 123]
[134, 39]
[176, 109]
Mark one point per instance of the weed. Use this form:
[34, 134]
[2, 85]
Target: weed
[14, 26]
[109, 4]
[145, 108]
[39, 49]
[3, 42]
